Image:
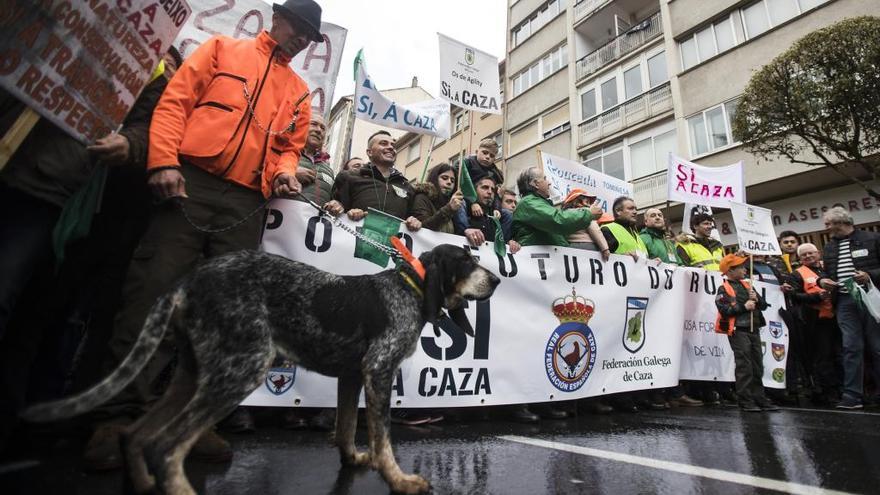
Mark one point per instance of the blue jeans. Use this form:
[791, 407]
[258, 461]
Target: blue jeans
[857, 327]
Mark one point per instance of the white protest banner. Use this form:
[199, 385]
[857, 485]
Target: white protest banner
[565, 175]
[468, 77]
[318, 64]
[706, 355]
[712, 186]
[754, 229]
[82, 64]
[562, 324]
[427, 117]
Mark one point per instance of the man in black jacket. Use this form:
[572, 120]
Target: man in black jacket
[852, 254]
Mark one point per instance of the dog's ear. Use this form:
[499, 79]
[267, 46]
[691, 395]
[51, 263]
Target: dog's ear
[433, 303]
[461, 320]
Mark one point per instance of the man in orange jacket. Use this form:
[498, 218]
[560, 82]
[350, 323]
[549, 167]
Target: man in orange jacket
[227, 133]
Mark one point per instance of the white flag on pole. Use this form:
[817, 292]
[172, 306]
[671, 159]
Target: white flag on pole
[469, 77]
[427, 117]
[754, 229]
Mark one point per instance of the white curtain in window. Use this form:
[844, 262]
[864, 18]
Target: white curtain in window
[781, 10]
[705, 44]
[657, 69]
[755, 19]
[724, 35]
[689, 56]
[588, 104]
[717, 127]
[609, 93]
[632, 82]
[663, 145]
[641, 158]
[697, 133]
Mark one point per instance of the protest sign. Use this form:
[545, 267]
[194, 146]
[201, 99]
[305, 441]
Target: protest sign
[318, 64]
[468, 77]
[426, 117]
[82, 64]
[754, 229]
[711, 186]
[565, 175]
[562, 324]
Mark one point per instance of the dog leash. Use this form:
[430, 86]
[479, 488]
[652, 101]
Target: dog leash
[207, 230]
[338, 223]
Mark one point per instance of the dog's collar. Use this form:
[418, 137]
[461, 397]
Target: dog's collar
[412, 283]
[408, 257]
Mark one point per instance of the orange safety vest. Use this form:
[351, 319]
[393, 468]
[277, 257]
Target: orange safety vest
[811, 286]
[728, 325]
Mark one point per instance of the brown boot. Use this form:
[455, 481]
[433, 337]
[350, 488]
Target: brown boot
[211, 447]
[102, 452]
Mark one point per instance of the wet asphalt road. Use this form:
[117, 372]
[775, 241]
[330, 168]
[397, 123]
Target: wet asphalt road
[682, 451]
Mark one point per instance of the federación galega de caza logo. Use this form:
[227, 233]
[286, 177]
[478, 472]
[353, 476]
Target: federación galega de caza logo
[570, 352]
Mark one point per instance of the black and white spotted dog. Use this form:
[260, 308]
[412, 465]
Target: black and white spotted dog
[233, 315]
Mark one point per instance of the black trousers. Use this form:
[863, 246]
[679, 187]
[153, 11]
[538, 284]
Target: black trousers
[749, 368]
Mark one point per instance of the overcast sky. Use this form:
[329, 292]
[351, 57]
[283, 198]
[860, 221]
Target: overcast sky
[399, 37]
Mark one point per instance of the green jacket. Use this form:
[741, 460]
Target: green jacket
[318, 191]
[658, 246]
[536, 222]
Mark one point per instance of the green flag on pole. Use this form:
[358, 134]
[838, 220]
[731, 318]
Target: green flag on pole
[358, 59]
[466, 184]
[378, 227]
[500, 246]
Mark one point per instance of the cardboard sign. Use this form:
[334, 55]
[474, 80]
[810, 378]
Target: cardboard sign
[82, 63]
[565, 175]
[711, 186]
[468, 77]
[754, 229]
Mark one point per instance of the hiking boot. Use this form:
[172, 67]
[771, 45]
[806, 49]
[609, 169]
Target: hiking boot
[211, 447]
[102, 452]
[685, 401]
[521, 414]
[766, 405]
[749, 407]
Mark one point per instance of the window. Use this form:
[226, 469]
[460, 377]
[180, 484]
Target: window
[609, 93]
[724, 37]
[540, 70]
[632, 82]
[461, 121]
[651, 154]
[588, 104]
[689, 57]
[500, 141]
[555, 122]
[657, 70]
[412, 152]
[608, 160]
[706, 43]
[755, 19]
[544, 14]
[781, 10]
[710, 129]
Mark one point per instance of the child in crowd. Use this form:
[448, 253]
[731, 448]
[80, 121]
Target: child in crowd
[739, 316]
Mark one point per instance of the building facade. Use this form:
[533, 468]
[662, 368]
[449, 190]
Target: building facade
[620, 84]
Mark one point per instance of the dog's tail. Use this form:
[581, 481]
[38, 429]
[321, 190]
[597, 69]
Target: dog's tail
[151, 336]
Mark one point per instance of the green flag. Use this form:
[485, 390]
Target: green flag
[500, 246]
[378, 227]
[358, 60]
[466, 184]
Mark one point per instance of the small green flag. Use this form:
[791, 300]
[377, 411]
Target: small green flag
[500, 246]
[467, 185]
[358, 60]
[379, 227]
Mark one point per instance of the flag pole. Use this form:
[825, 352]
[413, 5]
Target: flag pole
[428, 159]
[460, 168]
[752, 287]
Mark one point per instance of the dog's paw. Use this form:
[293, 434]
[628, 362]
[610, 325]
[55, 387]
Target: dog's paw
[357, 459]
[410, 484]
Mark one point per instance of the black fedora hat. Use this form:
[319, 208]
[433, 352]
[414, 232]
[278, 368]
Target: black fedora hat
[305, 11]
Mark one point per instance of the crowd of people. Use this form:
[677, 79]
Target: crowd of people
[92, 235]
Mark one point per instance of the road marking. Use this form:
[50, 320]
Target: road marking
[716, 474]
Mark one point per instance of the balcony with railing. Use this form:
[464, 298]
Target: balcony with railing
[639, 109]
[628, 42]
[651, 190]
[586, 7]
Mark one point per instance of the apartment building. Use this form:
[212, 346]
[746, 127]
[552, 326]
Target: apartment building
[619, 84]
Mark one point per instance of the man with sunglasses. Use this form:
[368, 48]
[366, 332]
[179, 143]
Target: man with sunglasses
[227, 134]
